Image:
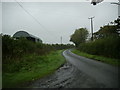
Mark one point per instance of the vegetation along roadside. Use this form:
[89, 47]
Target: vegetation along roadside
[33, 67]
[111, 61]
[103, 45]
[24, 60]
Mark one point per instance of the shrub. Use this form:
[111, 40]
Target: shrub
[14, 49]
[109, 47]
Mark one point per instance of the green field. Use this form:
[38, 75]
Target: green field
[111, 61]
[33, 67]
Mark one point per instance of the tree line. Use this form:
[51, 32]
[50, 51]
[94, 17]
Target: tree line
[106, 41]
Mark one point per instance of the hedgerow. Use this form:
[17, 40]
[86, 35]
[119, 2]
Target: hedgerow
[108, 47]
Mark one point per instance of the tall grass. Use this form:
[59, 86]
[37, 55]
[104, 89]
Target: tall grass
[111, 61]
[14, 49]
[24, 60]
[30, 68]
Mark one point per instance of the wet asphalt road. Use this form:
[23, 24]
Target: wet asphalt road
[80, 72]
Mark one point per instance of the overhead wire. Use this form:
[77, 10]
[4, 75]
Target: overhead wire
[34, 18]
[30, 14]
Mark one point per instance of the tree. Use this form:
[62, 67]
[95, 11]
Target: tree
[105, 31]
[79, 36]
[117, 22]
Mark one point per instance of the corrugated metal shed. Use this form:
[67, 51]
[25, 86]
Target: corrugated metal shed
[27, 35]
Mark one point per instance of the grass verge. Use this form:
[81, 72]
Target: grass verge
[33, 68]
[111, 61]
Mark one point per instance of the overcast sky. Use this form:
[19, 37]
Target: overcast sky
[54, 20]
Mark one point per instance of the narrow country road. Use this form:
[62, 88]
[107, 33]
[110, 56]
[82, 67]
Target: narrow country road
[80, 72]
[101, 72]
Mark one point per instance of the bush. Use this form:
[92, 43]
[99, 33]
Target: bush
[109, 47]
[14, 49]
[21, 53]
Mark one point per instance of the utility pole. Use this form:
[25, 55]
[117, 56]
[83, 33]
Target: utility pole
[61, 39]
[91, 18]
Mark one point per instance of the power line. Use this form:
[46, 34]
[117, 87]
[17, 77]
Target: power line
[34, 18]
[30, 14]
[91, 18]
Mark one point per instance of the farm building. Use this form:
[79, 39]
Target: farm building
[25, 34]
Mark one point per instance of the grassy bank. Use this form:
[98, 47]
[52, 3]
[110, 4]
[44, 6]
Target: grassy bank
[111, 61]
[32, 67]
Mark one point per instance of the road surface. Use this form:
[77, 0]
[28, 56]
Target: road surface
[80, 72]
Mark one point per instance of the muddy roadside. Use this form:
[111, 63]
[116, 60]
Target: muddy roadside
[67, 76]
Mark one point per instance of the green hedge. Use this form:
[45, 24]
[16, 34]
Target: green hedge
[13, 49]
[108, 47]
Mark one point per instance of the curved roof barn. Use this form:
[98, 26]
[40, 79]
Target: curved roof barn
[27, 35]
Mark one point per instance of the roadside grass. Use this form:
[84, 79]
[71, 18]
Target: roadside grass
[34, 68]
[111, 61]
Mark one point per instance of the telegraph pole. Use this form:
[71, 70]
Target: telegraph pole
[91, 18]
[61, 39]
